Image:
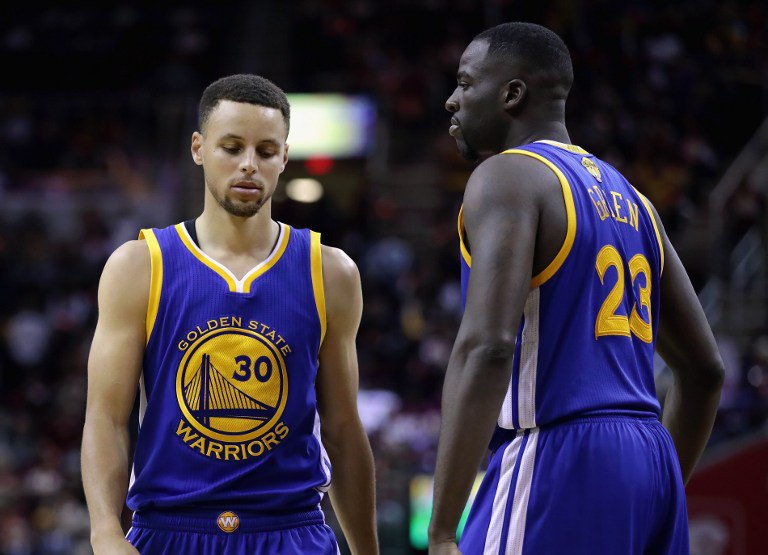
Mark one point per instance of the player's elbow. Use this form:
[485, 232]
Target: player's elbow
[707, 375]
[336, 433]
[713, 374]
[491, 352]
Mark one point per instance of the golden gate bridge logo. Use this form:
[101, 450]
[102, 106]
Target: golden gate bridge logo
[209, 395]
[231, 385]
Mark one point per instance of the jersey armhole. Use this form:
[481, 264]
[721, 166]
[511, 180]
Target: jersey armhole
[316, 257]
[570, 212]
[156, 279]
[647, 205]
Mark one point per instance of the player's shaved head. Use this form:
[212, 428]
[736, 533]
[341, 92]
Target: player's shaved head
[536, 50]
[251, 89]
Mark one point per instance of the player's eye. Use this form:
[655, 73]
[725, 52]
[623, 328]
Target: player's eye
[231, 149]
[463, 85]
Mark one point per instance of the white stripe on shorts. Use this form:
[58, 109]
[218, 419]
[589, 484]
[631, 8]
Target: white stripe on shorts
[493, 537]
[516, 534]
[517, 517]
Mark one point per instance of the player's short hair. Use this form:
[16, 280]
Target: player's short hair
[243, 87]
[537, 47]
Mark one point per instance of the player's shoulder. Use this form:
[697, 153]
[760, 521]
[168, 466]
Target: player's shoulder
[128, 267]
[129, 255]
[508, 180]
[342, 287]
[339, 270]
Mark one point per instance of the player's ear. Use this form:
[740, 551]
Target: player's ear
[515, 93]
[197, 148]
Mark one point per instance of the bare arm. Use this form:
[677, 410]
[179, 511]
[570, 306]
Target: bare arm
[114, 366]
[352, 490]
[501, 213]
[687, 345]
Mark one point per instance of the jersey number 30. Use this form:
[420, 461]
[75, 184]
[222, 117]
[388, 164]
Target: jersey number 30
[262, 369]
[610, 323]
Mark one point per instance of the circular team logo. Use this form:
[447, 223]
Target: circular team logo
[228, 522]
[232, 385]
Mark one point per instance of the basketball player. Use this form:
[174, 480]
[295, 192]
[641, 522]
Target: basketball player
[239, 332]
[570, 283]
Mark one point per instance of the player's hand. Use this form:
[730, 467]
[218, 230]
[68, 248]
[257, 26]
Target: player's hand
[444, 548]
[114, 546]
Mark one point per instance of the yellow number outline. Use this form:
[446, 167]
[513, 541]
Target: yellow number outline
[607, 321]
[642, 329]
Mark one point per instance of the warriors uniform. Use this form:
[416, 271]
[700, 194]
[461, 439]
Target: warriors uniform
[229, 457]
[580, 420]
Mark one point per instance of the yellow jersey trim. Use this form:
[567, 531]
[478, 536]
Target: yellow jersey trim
[570, 211]
[316, 258]
[570, 148]
[237, 285]
[212, 264]
[282, 244]
[464, 252]
[647, 205]
[155, 280]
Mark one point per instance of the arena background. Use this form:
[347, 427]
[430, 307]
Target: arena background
[97, 105]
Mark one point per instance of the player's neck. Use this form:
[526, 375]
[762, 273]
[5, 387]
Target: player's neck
[219, 229]
[552, 131]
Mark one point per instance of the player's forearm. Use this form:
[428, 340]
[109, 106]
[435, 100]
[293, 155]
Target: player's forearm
[474, 389]
[105, 474]
[353, 488]
[689, 414]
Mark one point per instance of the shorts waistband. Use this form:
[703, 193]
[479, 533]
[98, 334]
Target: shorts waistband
[215, 522]
[640, 418]
[504, 435]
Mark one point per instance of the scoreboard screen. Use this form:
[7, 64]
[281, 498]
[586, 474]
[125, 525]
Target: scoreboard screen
[330, 125]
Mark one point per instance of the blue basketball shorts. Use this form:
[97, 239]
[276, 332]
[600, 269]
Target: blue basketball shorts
[598, 485]
[203, 533]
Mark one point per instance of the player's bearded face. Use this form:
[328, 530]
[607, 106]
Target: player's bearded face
[243, 154]
[476, 117]
[235, 204]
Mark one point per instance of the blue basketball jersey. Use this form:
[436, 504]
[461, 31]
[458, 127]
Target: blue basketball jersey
[586, 338]
[228, 413]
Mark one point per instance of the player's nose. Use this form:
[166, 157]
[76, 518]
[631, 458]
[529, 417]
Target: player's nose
[452, 105]
[248, 164]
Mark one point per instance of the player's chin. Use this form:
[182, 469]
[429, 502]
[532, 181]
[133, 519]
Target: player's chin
[466, 151]
[242, 209]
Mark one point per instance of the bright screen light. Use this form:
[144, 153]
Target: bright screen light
[304, 190]
[333, 125]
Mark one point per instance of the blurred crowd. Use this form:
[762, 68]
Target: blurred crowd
[95, 148]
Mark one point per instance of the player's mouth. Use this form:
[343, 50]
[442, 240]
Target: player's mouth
[248, 188]
[454, 128]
